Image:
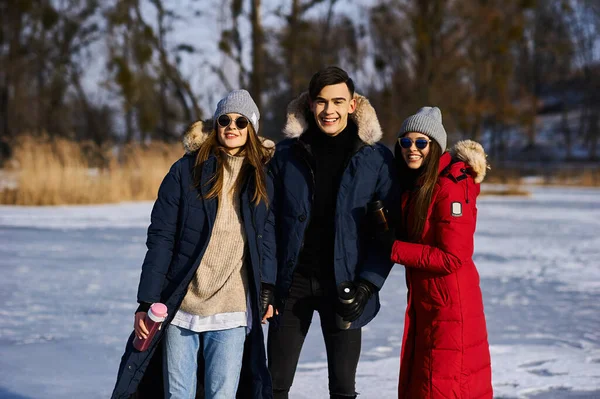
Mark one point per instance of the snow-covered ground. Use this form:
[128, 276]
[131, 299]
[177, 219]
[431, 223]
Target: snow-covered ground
[70, 274]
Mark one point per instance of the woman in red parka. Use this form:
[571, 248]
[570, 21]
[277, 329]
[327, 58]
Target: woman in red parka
[445, 352]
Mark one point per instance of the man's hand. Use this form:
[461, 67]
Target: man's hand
[267, 300]
[364, 291]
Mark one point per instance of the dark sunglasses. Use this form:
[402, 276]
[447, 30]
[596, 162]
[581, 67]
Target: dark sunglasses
[421, 144]
[224, 121]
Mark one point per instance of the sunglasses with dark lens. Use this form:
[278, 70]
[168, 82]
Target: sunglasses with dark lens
[421, 144]
[224, 121]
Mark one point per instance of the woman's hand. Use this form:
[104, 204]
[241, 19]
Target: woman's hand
[139, 326]
[269, 313]
[267, 299]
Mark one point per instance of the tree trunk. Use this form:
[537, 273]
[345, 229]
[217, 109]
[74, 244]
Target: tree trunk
[164, 111]
[426, 29]
[593, 133]
[326, 33]
[476, 129]
[566, 129]
[256, 80]
[91, 127]
[127, 98]
[531, 127]
[293, 43]
[13, 19]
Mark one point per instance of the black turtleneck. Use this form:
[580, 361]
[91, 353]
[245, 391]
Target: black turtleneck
[330, 156]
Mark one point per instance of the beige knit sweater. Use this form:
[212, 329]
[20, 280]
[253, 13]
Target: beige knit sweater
[221, 284]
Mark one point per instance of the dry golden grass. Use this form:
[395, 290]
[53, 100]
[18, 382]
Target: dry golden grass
[583, 178]
[510, 190]
[60, 172]
[509, 177]
[508, 183]
[512, 179]
[57, 172]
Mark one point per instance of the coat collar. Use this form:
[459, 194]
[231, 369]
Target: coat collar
[365, 118]
[445, 161]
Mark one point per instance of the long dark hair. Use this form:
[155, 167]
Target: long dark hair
[423, 181]
[255, 155]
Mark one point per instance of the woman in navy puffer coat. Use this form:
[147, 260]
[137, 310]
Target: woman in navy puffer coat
[192, 227]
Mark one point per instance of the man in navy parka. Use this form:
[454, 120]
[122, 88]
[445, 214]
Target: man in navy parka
[325, 172]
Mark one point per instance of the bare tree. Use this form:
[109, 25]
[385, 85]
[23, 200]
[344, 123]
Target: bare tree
[145, 74]
[585, 24]
[42, 46]
[257, 78]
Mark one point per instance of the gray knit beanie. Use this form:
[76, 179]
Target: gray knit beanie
[427, 120]
[239, 102]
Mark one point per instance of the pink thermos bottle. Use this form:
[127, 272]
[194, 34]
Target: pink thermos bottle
[154, 318]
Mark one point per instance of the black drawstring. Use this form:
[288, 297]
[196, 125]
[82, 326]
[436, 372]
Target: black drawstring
[467, 189]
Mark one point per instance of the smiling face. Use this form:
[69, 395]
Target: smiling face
[331, 108]
[413, 156]
[231, 136]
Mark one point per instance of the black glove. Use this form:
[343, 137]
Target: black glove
[267, 297]
[364, 292]
[384, 240]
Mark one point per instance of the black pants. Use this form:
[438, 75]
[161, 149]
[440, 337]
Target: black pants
[285, 340]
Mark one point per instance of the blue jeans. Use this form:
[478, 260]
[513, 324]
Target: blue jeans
[223, 351]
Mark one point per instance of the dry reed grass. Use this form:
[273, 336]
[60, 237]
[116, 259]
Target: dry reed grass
[583, 178]
[510, 191]
[506, 182]
[509, 182]
[59, 172]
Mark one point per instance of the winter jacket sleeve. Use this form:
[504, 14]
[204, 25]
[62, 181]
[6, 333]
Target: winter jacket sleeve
[453, 219]
[377, 264]
[269, 258]
[161, 237]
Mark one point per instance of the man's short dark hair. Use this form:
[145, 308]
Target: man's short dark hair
[328, 76]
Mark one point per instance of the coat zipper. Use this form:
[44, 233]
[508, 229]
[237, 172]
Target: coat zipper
[356, 149]
[246, 193]
[312, 194]
[257, 243]
[303, 147]
[312, 199]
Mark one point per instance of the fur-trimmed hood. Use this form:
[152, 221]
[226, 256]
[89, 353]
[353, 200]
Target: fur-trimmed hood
[199, 131]
[365, 117]
[473, 154]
